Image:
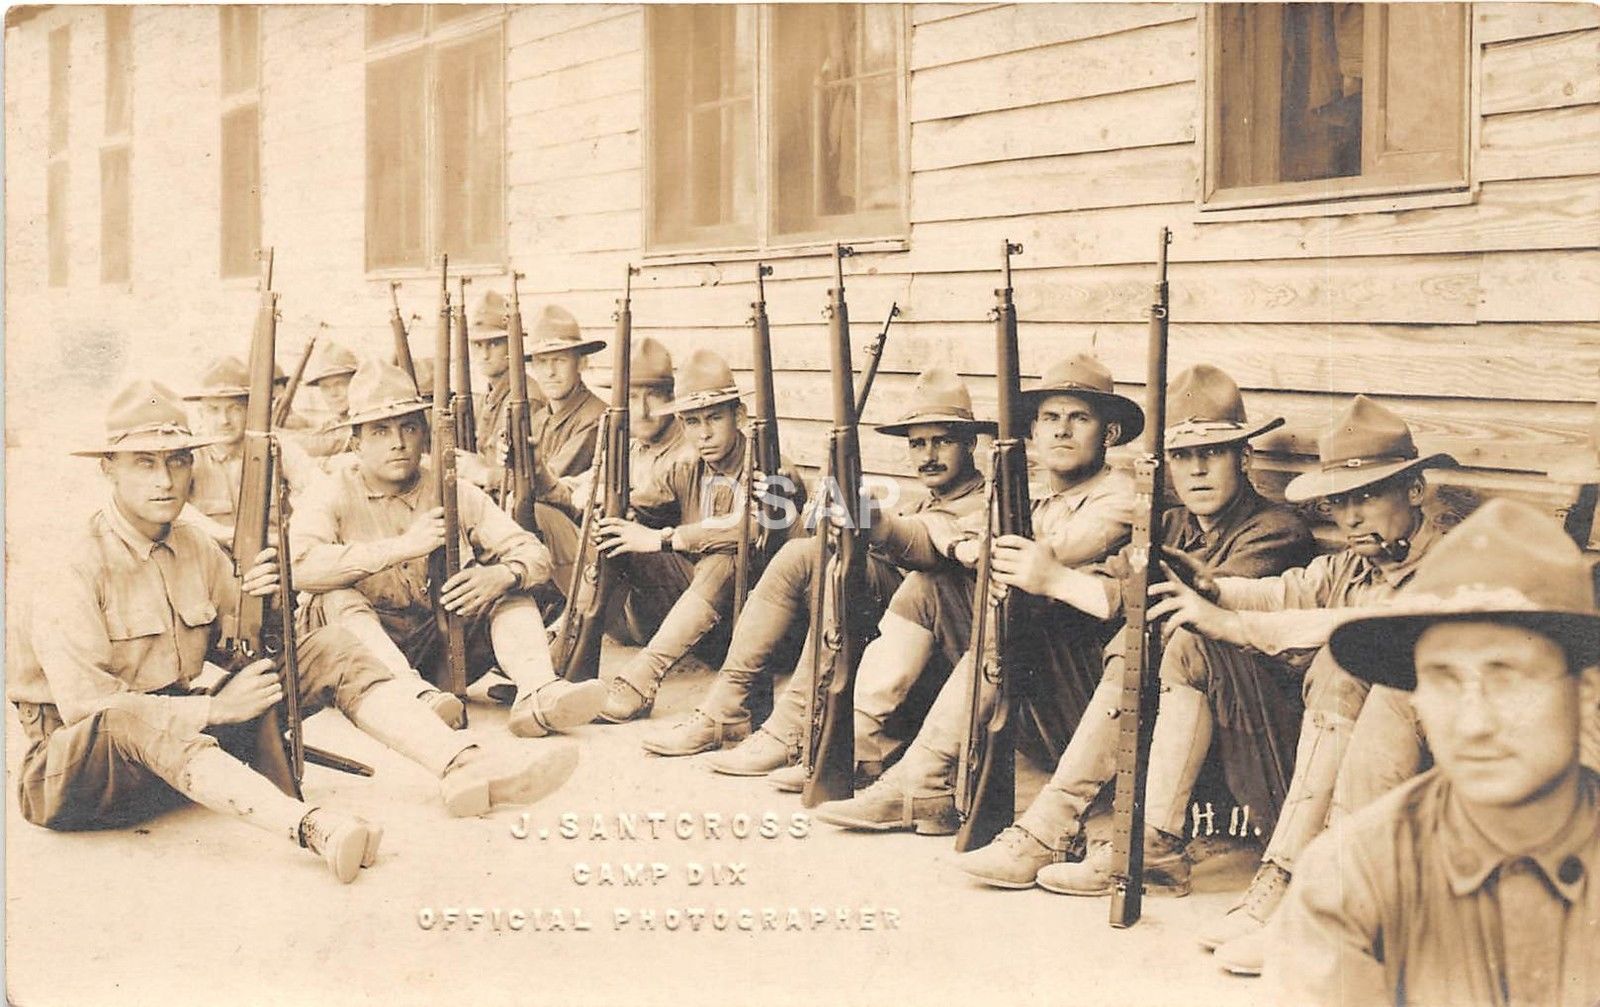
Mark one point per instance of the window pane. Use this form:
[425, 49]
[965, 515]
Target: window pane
[703, 124]
[241, 190]
[391, 21]
[119, 68]
[114, 215]
[241, 48]
[471, 139]
[1421, 134]
[396, 147]
[836, 119]
[60, 55]
[56, 214]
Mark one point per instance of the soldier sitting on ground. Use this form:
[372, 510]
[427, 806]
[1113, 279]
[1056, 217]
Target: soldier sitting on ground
[330, 375]
[102, 675]
[1473, 883]
[1224, 526]
[361, 541]
[1080, 516]
[940, 434]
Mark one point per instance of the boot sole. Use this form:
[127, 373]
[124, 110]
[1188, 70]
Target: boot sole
[786, 787]
[345, 852]
[1006, 883]
[921, 826]
[539, 777]
[726, 770]
[577, 706]
[369, 855]
[1169, 891]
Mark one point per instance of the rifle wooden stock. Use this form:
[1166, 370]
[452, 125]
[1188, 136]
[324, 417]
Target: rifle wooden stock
[461, 397]
[1142, 654]
[517, 493]
[986, 778]
[280, 412]
[763, 454]
[446, 560]
[832, 740]
[576, 652]
[402, 342]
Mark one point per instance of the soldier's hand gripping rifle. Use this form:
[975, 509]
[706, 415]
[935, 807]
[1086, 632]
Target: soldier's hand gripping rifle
[461, 399]
[402, 341]
[280, 412]
[838, 632]
[445, 562]
[1136, 711]
[1001, 653]
[280, 752]
[576, 651]
[517, 493]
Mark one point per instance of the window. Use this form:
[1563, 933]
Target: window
[1319, 101]
[60, 55]
[805, 146]
[116, 155]
[241, 139]
[435, 135]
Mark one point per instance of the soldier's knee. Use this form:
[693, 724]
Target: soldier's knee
[136, 737]
[1332, 691]
[916, 600]
[1183, 660]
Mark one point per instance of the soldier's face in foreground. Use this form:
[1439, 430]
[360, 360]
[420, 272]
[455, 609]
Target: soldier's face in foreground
[713, 431]
[492, 357]
[646, 418]
[557, 373]
[939, 455]
[1207, 478]
[150, 487]
[1070, 436]
[1372, 517]
[335, 392]
[222, 416]
[391, 450]
[1499, 708]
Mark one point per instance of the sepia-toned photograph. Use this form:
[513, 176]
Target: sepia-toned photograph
[802, 504]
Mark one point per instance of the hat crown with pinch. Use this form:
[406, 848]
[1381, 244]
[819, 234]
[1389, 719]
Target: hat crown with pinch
[380, 390]
[493, 312]
[1506, 555]
[649, 364]
[1366, 434]
[145, 407]
[226, 377]
[938, 391]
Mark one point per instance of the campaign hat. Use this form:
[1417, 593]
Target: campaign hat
[705, 381]
[146, 416]
[938, 396]
[1204, 407]
[1087, 378]
[1366, 445]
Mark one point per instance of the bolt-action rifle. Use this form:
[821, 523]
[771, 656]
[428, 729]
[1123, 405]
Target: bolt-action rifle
[402, 342]
[280, 412]
[1140, 676]
[576, 651]
[986, 779]
[517, 493]
[446, 560]
[461, 401]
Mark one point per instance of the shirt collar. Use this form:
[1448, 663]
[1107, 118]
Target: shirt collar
[1470, 857]
[965, 488]
[577, 400]
[374, 492]
[1396, 574]
[132, 537]
[1073, 496]
[1240, 509]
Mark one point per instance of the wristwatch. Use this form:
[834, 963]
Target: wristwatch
[666, 538]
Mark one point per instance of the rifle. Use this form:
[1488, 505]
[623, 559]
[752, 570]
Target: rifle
[576, 652]
[461, 403]
[402, 342]
[763, 454]
[875, 356]
[986, 781]
[517, 494]
[1136, 709]
[280, 412]
[446, 561]
[838, 635]
[280, 752]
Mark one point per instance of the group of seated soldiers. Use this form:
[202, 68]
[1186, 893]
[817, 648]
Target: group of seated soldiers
[1313, 685]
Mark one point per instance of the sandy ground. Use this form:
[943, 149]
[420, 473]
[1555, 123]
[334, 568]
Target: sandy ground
[196, 909]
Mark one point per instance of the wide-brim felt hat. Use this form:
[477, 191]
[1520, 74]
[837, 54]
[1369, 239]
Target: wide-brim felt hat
[1205, 407]
[146, 416]
[491, 319]
[225, 378]
[939, 396]
[380, 391]
[1087, 378]
[649, 365]
[1366, 445]
[335, 361]
[705, 381]
[556, 331]
[1506, 563]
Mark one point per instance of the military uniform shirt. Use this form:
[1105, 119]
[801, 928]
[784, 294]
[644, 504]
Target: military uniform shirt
[564, 439]
[894, 540]
[344, 529]
[1293, 610]
[126, 614]
[1404, 903]
[685, 487]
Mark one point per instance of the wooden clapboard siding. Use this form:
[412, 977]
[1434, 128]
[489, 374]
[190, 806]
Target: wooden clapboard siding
[1015, 28]
[997, 190]
[1541, 143]
[1499, 22]
[1551, 71]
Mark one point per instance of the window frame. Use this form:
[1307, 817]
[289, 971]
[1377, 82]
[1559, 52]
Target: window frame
[764, 244]
[1333, 196]
[117, 140]
[232, 103]
[456, 31]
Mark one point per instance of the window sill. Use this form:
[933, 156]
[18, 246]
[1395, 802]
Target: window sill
[746, 254]
[432, 272]
[1334, 208]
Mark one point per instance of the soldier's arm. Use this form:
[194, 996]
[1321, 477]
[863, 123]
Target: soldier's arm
[1099, 528]
[1326, 938]
[497, 539]
[72, 641]
[214, 529]
[322, 561]
[1309, 586]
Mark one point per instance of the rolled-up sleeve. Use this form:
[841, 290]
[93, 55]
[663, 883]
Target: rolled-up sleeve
[496, 538]
[322, 562]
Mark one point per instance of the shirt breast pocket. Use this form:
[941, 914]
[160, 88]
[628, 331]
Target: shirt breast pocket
[132, 622]
[197, 614]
